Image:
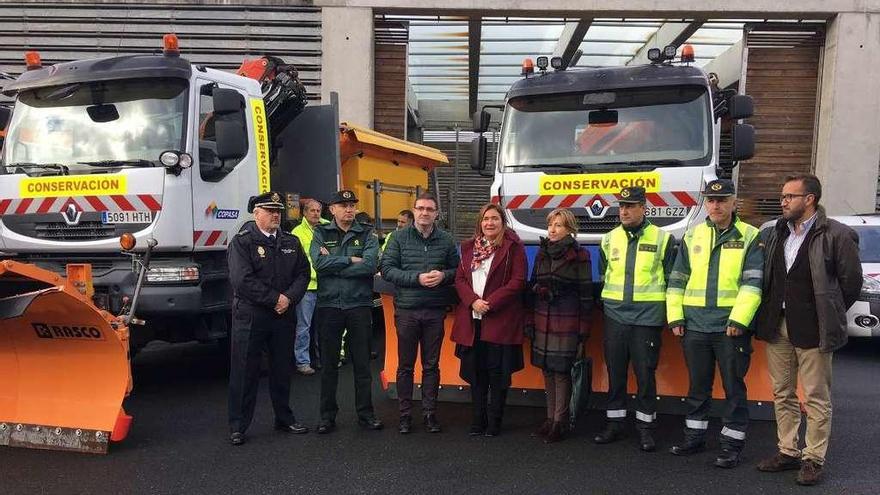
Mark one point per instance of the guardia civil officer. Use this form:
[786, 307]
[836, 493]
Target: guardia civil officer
[636, 258]
[713, 294]
[269, 272]
[345, 254]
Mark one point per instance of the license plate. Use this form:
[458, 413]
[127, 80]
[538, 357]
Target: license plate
[666, 211]
[115, 217]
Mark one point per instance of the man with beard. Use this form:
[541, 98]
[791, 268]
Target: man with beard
[812, 274]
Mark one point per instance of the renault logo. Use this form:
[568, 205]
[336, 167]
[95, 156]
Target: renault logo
[71, 214]
[597, 209]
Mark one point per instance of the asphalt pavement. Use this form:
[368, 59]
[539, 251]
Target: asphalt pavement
[178, 444]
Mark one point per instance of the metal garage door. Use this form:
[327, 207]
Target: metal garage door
[462, 190]
[218, 36]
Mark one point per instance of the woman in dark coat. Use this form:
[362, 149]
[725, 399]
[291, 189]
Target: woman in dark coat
[488, 329]
[558, 316]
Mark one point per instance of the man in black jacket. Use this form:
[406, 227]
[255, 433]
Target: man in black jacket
[269, 272]
[812, 274]
[420, 261]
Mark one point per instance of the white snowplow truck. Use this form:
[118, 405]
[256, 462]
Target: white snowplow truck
[157, 147]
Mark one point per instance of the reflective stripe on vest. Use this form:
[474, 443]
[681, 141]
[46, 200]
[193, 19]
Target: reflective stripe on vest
[649, 280]
[700, 243]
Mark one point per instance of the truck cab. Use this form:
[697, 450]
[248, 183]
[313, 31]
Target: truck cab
[575, 138]
[146, 144]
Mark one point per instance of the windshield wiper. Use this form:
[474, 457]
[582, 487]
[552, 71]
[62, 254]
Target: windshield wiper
[136, 162]
[636, 163]
[64, 169]
[576, 166]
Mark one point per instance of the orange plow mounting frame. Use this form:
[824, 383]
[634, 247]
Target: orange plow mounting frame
[64, 363]
[527, 386]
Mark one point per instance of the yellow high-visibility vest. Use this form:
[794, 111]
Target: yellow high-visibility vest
[700, 242]
[649, 280]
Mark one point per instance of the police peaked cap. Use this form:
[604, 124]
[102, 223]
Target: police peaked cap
[269, 200]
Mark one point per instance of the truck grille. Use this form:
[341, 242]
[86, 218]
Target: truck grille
[51, 227]
[587, 225]
[537, 218]
[84, 231]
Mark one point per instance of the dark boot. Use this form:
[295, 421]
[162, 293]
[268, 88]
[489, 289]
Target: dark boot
[728, 458]
[691, 445]
[432, 424]
[405, 424]
[496, 410]
[481, 418]
[613, 432]
[646, 440]
[557, 432]
[544, 429]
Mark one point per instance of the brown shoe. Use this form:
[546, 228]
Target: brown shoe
[779, 462]
[557, 432]
[810, 473]
[544, 429]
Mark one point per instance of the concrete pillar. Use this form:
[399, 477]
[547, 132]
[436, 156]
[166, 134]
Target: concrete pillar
[347, 62]
[848, 140]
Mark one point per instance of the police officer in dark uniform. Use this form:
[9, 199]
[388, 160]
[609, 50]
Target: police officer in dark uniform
[269, 273]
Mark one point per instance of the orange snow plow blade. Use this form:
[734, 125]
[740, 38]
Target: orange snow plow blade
[64, 362]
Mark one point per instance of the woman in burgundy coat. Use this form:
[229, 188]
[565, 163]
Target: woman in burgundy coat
[489, 320]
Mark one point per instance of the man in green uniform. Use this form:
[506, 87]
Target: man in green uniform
[636, 258]
[714, 292]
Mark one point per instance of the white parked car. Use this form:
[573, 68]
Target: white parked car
[863, 317]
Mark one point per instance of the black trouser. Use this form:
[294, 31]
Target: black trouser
[415, 328]
[641, 345]
[701, 352]
[490, 383]
[332, 322]
[244, 375]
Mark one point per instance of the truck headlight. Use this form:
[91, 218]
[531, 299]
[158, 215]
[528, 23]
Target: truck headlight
[870, 285]
[173, 274]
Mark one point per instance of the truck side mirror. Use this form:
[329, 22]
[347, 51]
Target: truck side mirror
[481, 121]
[740, 107]
[478, 153]
[743, 142]
[231, 139]
[230, 125]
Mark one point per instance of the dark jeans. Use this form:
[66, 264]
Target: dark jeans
[733, 354]
[331, 323]
[244, 374]
[641, 346]
[419, 328]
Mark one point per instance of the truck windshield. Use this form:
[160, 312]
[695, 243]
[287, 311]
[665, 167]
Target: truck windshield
[130, 121]
[624, 129]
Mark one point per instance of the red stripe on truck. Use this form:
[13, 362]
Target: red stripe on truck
[23, 206]
[150, 202]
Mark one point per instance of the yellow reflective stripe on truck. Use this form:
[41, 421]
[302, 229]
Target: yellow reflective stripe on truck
[261, 138]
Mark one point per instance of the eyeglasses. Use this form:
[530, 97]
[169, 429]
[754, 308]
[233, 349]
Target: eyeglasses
[427, 209]
[788, 197]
